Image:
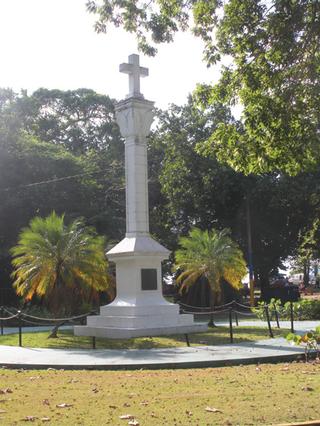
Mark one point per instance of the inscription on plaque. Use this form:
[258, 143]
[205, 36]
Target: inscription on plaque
[149, 279]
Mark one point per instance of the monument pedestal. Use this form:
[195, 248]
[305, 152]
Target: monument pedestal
[139, 308]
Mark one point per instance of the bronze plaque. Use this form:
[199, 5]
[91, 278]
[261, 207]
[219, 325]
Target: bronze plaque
[149, 279]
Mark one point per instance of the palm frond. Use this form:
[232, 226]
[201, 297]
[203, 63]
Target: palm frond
[213, 254]
[50, 254]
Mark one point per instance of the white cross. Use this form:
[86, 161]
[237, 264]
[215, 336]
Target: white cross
[135, 72]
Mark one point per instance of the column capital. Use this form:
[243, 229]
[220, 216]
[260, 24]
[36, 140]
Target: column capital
[134, 117]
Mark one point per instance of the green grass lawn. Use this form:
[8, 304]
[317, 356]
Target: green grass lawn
[243, 395]
[214, 336]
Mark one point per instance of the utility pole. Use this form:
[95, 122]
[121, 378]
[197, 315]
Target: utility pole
[249, 237]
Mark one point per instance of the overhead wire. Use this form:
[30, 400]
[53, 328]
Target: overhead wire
[53, 180]
[45, 182]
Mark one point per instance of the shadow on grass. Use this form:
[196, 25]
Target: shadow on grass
[221, 335]
[214, 336]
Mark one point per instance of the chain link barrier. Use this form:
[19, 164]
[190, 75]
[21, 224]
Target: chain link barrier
[233, 309]
[24, 318]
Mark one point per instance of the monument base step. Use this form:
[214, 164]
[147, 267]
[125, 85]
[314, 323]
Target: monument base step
[146, 308]
[128, 333]
[139, 321]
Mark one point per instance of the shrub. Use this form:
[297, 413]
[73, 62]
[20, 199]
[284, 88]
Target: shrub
[261, 312]
[302, 310]
[310, 340]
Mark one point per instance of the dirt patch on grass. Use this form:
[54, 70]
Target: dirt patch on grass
[245, 395]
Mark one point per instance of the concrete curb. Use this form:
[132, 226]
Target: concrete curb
[158, 366]
[271, 350]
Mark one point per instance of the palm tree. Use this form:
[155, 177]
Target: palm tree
[62, 264]
[210, 254]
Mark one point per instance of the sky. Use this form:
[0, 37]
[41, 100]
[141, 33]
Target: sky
[52, 44]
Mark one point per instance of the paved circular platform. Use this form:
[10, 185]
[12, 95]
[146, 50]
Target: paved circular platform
[270, 350]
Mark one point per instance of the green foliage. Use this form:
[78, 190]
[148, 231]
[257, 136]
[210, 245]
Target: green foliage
[80, 120]
[308, 249]
[273, 47]
[198, 191]
[210, 254]
[157, 21]
[25, 167]
[304, 309]
[59, 151]
[63, 264]
[311, 340]
[35, 310]
[260, 311]
[83, 123]
[274, 76]
[142, 19]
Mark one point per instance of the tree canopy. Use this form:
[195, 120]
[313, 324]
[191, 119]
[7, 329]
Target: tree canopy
[199, 191]
[68, 142]
[41, 171]
[80, 120]
[273, 51]
[58, 151]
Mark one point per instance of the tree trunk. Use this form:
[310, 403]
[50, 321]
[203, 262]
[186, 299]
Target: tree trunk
[212, 301]
[204, 292]
[54, 331]
[264, 283]
[306, 273]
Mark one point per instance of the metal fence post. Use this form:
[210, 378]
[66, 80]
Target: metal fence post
[276, 315]
[92, 312]
[20, 328]
[230, 325]
[235, 313]
[1, 321]
[187, 339]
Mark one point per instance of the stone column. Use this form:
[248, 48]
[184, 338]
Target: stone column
[134, 117]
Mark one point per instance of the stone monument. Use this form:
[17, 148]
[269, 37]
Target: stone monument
[139, 308]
